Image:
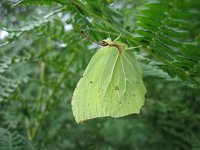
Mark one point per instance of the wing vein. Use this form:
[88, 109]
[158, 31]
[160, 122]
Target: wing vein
[129, 63]
[124, 74]
[111, 74]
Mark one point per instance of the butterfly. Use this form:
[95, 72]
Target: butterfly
[111, 85]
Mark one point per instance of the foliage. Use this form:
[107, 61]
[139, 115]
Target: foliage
[43, 55]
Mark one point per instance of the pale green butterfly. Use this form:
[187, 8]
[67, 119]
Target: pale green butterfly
[111, 85]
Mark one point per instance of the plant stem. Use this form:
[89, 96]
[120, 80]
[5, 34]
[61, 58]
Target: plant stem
[44, 113]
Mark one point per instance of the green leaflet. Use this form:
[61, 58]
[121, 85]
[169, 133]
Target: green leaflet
[111, 85]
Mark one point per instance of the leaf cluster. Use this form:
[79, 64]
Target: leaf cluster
[43, 55]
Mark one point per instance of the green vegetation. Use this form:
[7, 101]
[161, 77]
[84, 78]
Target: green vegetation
[43, 55]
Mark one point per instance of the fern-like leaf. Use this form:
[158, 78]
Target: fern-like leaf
[165, 28]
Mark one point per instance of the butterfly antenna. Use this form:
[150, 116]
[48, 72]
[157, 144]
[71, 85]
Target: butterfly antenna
[118, 37]
[86, 36]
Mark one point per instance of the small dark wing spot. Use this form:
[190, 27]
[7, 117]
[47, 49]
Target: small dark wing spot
[91, 82]
[116, 87]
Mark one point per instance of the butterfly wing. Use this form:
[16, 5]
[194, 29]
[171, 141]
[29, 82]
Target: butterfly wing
[111, 86]
[123, 93]
[86, 100]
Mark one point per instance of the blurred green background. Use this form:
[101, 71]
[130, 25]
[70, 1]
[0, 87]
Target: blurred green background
[43, 55]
